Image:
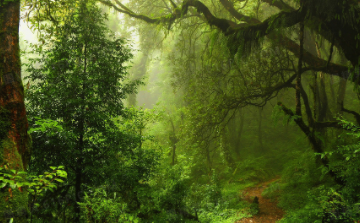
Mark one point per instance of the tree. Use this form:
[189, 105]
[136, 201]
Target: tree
[14, 140]
[244, 34]
[77, 92]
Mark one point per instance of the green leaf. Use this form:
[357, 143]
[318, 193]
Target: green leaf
[3, 184]
[59, 180]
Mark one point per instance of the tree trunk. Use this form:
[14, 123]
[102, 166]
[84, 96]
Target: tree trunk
[139, 73]
[225, 144]
[14, 140]
[259, 131]
[236, 127]
[341, 91]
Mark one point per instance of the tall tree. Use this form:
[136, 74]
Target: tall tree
[81, 84]
[14, 140]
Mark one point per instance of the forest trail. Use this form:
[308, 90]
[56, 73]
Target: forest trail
[269, 212]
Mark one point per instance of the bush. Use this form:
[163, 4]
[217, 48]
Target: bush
[101, 207]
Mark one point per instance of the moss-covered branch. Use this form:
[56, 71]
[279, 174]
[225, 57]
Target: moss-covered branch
[280, 5]
[222, 24]
[245, 36]
[356, 115]
[316, 63]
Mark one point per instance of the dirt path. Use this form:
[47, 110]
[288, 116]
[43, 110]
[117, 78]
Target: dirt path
[269, 212]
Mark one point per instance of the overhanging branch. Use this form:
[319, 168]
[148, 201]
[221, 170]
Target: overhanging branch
[245, 32]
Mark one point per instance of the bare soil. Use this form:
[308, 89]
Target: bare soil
[269, 212]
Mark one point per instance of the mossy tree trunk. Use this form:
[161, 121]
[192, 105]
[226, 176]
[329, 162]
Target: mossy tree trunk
[14, 140]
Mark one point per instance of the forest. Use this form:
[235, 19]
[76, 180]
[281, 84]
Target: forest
[172, 111]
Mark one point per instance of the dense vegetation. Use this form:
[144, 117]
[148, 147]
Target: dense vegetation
[170, 110]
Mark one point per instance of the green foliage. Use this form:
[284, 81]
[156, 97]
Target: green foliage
[306, 201]
[346, 160]
[101, 207]
[76, 95]
[333, 205]
[174, 188]
[213, 190]
[252, 170]
[272, 191]
[254, 206]
[278, 113]
[35, 185]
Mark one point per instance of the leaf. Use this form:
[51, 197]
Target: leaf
[59, 180]
[3, 184]
[19, 184]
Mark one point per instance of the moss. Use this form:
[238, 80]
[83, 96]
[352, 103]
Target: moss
[23, 147]
[13, 205]
[11, 155]
[5, 123]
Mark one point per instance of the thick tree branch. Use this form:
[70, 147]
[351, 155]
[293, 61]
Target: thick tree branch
[307, 106]
[222, 24]
[230, 7]
[356, 115]
[243, 32]
[335, 124]
[280, 5]
[315, 63]
[299, 73]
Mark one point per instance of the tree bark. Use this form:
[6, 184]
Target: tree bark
[14, 140]
[260, 132]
